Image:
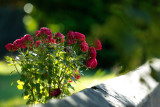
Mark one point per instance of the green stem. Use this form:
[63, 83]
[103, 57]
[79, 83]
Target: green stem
[32, 93]
[16, 67]
[49, 71]
[49, 86]
[14, 63]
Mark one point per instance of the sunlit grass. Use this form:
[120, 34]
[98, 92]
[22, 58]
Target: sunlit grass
[10, 95]
[5, 69]
[14, 102]
[89, 81]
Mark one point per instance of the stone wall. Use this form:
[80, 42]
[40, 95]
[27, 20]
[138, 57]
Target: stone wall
[139, 88]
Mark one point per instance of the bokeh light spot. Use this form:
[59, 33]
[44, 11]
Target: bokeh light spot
[30, 23]
[28, 8]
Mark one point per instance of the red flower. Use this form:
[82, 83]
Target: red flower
[27, 41]
[38, 33]
[55, 92]
[47, 40]
[84, 46]
[10, 47]
[98, 45]
[70, 81]
[27, 38]
[71, 37]
[37, 43]
[77, 75]
[81, 37]
[59, 38]
[18, 43]
[92, 52]
[53, 40]
[46, 31]
[91, 63]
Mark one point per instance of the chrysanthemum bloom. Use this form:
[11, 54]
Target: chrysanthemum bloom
[81, 37]
[92, 52]
[11, 47]
[18, 43]
[55, 92]
[98, 45]
[59, 38]
[91, 63]
[84, 46]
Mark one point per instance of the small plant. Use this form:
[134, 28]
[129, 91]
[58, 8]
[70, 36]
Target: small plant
[50, 62]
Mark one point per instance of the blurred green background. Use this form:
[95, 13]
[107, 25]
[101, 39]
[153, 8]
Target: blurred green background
[128, 29]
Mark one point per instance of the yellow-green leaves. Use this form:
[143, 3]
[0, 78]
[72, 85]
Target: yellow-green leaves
[9, 59]
[20, 85]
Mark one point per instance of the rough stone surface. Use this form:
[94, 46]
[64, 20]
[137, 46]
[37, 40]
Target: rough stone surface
[136, 89]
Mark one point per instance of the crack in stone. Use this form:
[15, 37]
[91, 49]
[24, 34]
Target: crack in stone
[96, 88]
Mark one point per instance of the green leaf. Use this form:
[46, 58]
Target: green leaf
[13, 81]
[33, 85]
[38, 87]
[28, 102]
[39, 96]
[23, 78]
[70, 86]
[26, 93]
[26, 83]
[66, 91]
[9, 59]
[46, 99]
[12, 72]
[10, 64]
[20, 87]
[27, 87]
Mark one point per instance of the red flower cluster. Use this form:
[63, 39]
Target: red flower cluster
[26, 41]
[44, 36]
[44, 33]
[71, 38]
[55, 92]
[76, 37]
[37, 43]
[59, 38]
[98, 45]
[51, 45]
[81, 37]
[92, 52]
[92, 61]
[18, 43]
[10, 47]
[84, 46]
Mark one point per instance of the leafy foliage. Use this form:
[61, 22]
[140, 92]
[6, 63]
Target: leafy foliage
[49, 64]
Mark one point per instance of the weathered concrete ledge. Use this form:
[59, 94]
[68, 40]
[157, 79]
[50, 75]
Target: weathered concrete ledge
[135, 89]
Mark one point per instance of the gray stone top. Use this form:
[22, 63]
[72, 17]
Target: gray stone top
[135, 89]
